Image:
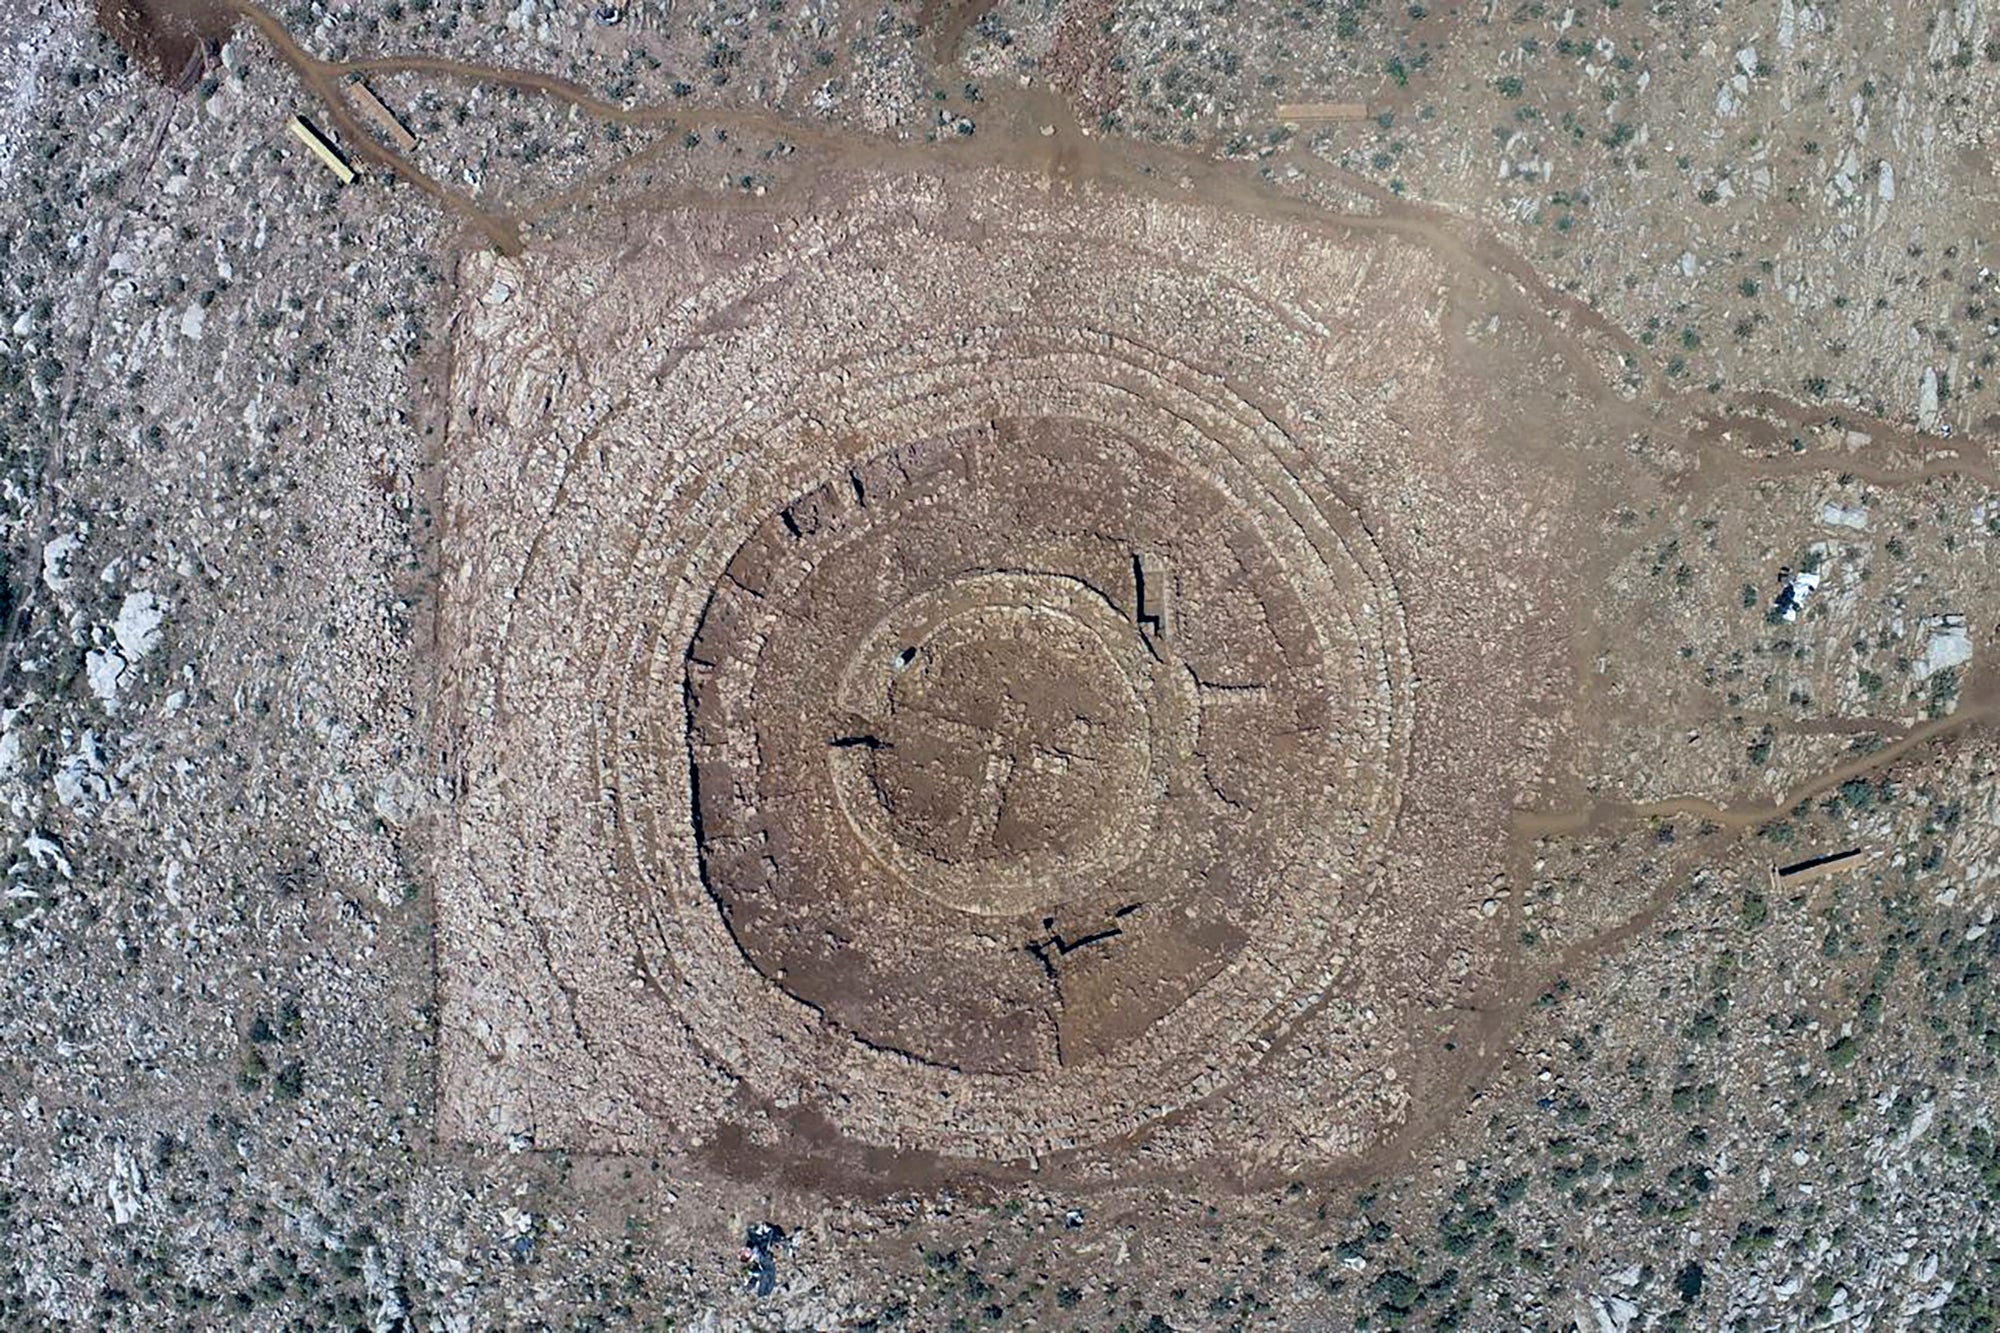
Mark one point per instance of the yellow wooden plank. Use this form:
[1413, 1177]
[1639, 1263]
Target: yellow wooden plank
[325, 151]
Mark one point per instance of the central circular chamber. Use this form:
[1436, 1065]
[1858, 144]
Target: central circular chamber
[1007, 742]
[1000, 740]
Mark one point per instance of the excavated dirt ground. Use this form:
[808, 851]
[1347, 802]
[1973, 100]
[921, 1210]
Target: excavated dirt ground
[931, 628]
[833, 780]
[169, 38]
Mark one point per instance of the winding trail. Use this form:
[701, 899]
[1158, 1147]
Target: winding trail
[1070, 152]
[322, 78]
[1567, 823]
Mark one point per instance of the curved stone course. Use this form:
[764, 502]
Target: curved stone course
[958, 796]
[985, 728]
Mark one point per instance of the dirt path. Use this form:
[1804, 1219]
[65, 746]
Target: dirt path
[1070, 152]
[322, 78]
[1598, 814]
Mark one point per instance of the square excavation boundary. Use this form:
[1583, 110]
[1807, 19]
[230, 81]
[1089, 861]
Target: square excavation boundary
[832, 785]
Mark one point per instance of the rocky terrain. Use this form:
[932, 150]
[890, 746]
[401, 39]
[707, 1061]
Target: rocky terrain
[474, 848]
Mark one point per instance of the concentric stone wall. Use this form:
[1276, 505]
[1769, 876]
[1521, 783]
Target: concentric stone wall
[937, 673]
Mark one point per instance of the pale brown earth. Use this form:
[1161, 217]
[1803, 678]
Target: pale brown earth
[1119, 717]
[171, 38]
[755, 854]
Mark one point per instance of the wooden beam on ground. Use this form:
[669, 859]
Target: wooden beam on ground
[1817, 867]
[378, 111]
[1301, 112]
[323, 150]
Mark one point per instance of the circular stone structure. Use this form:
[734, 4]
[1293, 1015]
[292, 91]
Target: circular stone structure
[928, 688]
[1009, 741]
[996, 750]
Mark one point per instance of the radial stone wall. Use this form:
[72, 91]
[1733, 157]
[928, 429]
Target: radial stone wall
[938, 674]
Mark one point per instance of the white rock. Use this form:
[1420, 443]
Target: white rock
[1849, 169]
[1927, 396]
[103, 667]
[73, 782]
[125, 1187]
[396, 799]
[1614, 1313]
[192, 319]
[382, 1275]
[1949, 646]
[56, 558]
[47, 853]
[1844, 516]
[138, 625]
